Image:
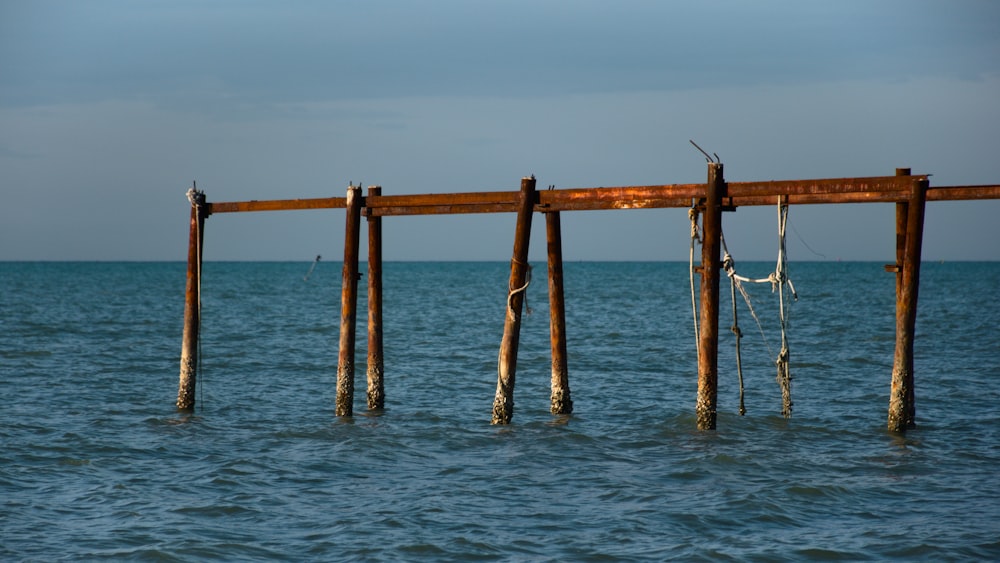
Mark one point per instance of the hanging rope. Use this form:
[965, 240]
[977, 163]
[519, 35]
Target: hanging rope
[784, 376]
[511, 292]
[727, 264]
[778, 280]
[695, 238]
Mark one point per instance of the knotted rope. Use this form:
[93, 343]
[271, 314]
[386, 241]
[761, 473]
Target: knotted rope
[784, 376]
[778, 280]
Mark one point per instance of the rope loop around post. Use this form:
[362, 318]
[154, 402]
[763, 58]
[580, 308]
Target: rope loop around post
[511, 292]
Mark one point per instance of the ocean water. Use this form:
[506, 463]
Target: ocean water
[97, 464]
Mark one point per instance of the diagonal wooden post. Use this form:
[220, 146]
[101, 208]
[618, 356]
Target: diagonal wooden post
[349, 304]
[901, 394]
[560, 398]
[503, 402]
[376, 363]
[192, 303]
[708, 344]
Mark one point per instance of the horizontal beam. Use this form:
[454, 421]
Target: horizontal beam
[958, 193]
[884, 189]
[278, 205]
[442, 204]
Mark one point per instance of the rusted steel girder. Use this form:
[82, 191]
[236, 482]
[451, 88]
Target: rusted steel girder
[884, 189]
[958, 193]
[278, 205]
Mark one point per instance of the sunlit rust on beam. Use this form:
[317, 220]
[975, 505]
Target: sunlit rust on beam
[624, 197]
[442, 209]
[956, 193]
[442, 204]
[831, 186]
[884, 189]
[808, 199]
[277, 205]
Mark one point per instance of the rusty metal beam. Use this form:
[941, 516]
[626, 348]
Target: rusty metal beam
[882, 189]
[443, 209]
[278, 205]
[957, 193]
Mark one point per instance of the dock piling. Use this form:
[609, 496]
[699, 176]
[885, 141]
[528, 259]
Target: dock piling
[708, 357]
[349, 304]
[503, 402]
[376, 362]
[901, 394]
[192, 303]
[560, 398]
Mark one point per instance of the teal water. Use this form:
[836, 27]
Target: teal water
[96, 463]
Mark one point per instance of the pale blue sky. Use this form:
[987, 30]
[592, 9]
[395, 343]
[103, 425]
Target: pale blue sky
[109, 109]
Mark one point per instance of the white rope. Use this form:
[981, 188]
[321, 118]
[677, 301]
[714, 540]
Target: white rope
[729, 265]
[784, 376]
[693, 216]
[512, 292]
[778, 280]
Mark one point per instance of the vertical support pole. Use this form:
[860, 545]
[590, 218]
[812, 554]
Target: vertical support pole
[503, 402]
[349, 304]
[192, 303]
[902, 212]
[561, 401]
[376, 362]
[708, 348]
[901, 412]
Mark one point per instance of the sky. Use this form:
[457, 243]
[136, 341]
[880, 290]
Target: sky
[111, 109]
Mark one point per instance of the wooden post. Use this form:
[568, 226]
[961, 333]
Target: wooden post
[503, 402]
[349, 304]
[376, 362]
[901, 411]
[561, 401]
[192, 303]
[708, 346]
